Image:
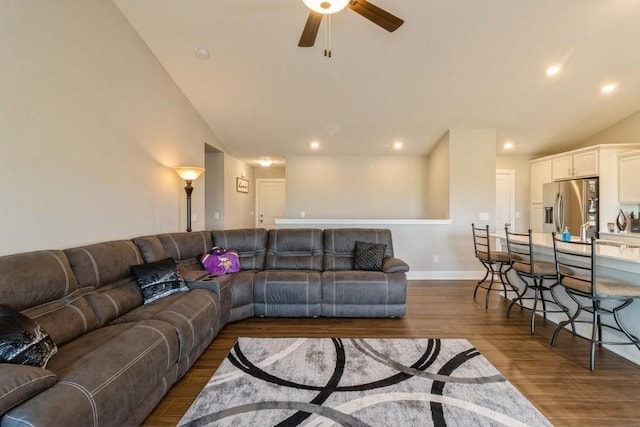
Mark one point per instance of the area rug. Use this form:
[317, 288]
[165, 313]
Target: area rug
[359, 382]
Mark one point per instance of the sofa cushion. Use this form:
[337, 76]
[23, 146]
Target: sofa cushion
[339, 245]
[249, 243]
[104, 272]
[287, 293]
[294, 249]
[23, 341]
[368, 256]
[33, 278]
[363, 294]
[103, 263]
[65, 319]
[158, 279]
[186, 247]
[150, 248]
[20, 382]
[105, 383]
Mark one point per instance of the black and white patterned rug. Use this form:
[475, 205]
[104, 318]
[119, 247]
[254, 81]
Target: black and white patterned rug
[359, 382]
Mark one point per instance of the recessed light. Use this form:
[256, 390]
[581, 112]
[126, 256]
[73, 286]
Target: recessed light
[202, 53]
[553, 70]
[397, 145]
[314, 145]
[508, 145]
[608, 88]
[265, 163]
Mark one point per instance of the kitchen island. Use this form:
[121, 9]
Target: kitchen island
[618, 259]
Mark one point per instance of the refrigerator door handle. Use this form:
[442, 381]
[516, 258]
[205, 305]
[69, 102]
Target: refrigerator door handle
[556, 219]
[561, 218]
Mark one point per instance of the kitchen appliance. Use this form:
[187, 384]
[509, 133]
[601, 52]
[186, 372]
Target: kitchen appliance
[572, 204]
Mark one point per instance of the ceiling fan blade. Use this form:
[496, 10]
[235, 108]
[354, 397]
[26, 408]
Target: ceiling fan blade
[376, 15]
[308, 37]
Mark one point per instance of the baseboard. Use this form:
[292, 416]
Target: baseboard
[445, 275]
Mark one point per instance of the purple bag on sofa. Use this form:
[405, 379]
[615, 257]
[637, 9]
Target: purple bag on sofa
[220, 261]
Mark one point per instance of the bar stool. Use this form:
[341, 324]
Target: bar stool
[525, 266]
[493, 262]
[576, 266]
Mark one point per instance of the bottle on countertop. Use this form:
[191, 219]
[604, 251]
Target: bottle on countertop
[566, 236]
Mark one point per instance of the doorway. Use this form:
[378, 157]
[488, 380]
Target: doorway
[505, 199]
[270, 201]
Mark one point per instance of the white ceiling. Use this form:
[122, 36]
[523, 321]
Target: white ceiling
[453, 64]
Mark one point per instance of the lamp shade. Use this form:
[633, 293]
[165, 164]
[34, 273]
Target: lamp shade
[326, 7]
[189, 173]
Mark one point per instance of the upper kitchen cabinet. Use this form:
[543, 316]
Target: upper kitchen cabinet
[578, 164]
[629, 177]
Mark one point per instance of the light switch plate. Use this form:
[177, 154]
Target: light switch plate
[483, 216]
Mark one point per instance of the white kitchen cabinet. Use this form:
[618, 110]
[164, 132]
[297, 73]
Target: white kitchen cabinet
[540, 175]
[575, 165]
[629, 177]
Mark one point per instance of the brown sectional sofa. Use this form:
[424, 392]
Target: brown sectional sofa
[118, 357]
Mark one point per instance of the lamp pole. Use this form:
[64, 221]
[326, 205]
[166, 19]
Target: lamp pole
[188, 189]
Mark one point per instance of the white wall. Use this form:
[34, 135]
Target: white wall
[91, 128]
[355, 187]
[626, 130]
[438, 179]
[270, 172]
[214, 197]
[239, 207]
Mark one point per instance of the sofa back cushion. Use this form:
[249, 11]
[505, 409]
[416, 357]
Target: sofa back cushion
[186, 247]
[105, 270]
[295, 249]
[249, 243]
[150, 248]
[42, 285]
[339, 245]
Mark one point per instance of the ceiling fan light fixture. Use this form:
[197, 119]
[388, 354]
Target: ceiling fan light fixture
[326, 7]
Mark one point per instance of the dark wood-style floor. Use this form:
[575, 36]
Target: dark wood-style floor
[556, 380]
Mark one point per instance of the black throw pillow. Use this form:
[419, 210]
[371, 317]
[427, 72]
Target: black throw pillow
[158, 279]
[23, 341]
[368, 256]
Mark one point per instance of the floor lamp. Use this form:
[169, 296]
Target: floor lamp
[189, 174]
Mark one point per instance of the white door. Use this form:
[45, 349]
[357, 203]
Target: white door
[505, 199]
[270, 201]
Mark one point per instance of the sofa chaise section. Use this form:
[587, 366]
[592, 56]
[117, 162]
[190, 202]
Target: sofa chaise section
[359, 293]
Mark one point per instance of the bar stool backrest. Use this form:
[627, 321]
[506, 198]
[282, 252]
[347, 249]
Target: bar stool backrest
[575, 264]
[520, 250]
[481, 243]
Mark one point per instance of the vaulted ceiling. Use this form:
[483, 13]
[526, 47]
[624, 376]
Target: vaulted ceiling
[453, 64]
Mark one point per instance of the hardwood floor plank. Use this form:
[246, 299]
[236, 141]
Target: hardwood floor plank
[556, 380]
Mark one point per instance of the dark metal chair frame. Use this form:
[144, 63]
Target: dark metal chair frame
[520, 249]
[580, 258]
[493, 267]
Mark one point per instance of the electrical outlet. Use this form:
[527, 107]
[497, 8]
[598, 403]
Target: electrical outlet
[483, 216]
[303, 214]
[436, 258]
[216, 215]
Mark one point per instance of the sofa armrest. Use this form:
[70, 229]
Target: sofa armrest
[21, 382]
[394, 265]
[211, 285]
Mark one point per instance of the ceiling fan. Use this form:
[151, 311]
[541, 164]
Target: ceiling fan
[319, 8]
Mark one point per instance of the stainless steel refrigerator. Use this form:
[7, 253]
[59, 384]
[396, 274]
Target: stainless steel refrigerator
[571, 204]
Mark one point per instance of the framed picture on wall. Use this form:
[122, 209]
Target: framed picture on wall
[242, 185]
